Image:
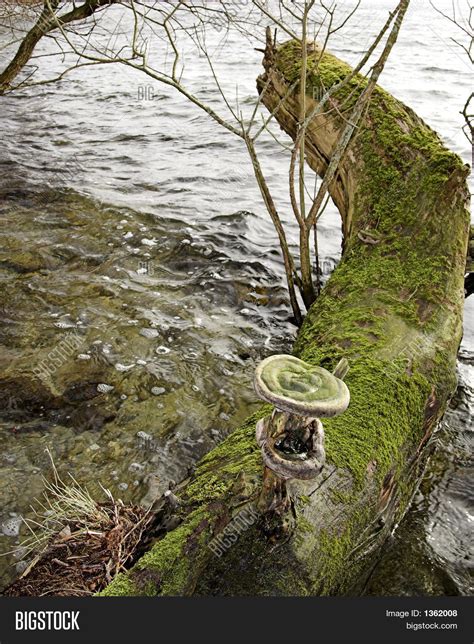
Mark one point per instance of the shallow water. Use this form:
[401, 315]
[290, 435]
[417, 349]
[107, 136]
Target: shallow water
[155, 344]
[133, 235]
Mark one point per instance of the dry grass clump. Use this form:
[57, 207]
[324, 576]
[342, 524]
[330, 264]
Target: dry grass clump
[78, 545]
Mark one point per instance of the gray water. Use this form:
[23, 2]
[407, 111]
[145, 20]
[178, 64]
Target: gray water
[133, 229]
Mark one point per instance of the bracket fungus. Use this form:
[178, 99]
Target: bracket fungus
[292, 437]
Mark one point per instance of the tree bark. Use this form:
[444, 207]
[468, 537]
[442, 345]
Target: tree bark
[393, 308]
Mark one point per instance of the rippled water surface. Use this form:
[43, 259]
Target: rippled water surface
[135, 245]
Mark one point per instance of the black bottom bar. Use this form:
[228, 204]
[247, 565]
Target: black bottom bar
[381, 620]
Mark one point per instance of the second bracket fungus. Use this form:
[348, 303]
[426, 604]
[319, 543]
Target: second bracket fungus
[292, 438]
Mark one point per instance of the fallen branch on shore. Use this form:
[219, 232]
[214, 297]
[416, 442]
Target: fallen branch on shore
[394, 310]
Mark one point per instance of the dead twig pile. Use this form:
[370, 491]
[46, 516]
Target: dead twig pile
[79, 545]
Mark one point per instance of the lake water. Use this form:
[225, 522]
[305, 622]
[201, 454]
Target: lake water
[134, 240]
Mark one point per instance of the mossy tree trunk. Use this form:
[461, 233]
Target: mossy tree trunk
[393, 307]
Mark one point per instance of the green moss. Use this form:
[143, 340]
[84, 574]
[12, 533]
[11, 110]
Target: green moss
[121, 586]
[334, 550]
[322, 73]
[338, 496]
[355, 438]
[363, 437]
[238, 454]
[169, 559]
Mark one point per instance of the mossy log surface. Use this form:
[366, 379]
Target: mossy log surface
[393, 307]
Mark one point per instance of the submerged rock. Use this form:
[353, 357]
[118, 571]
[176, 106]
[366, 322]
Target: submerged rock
[11, 527]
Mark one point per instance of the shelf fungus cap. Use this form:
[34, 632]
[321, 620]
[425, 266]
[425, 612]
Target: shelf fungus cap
[295, 386]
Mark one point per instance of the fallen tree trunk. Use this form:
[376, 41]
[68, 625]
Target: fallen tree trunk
[393, 307]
